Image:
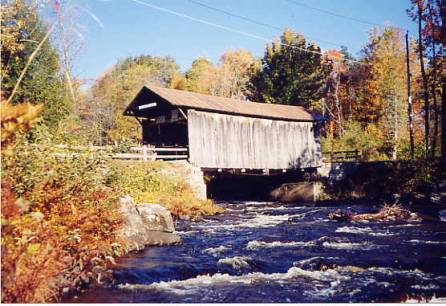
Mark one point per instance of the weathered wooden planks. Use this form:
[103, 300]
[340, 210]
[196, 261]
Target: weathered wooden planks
[226, 141]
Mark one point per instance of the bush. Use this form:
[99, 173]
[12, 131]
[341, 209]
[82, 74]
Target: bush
[59, 219]
[158, 182]
[381, 180]
[60, 215]
[368, 140]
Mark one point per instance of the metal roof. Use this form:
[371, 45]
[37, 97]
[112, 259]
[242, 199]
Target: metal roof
[181, 98]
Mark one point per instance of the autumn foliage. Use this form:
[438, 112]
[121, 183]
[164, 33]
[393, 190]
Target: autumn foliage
[58, 216]
[160, 183]
[16, 118]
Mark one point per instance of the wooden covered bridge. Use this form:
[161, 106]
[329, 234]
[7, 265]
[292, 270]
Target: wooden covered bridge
[222, 133]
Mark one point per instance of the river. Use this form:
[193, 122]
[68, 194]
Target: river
[274, 252]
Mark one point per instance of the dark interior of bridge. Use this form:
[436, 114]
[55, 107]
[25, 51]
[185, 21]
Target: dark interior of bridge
[227, 186]
[169, 134]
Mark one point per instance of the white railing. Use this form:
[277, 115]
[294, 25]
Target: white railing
[144, 153]
[154, 153]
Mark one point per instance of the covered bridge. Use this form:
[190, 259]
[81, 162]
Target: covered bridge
[223, 133]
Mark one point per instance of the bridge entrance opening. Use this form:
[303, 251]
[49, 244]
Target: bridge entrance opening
[242, 187]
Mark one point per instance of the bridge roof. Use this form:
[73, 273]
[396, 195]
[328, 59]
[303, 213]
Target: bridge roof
[181, 98]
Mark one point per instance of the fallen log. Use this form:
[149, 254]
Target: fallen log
[387, 213]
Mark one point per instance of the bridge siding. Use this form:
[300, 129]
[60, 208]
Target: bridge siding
[226, 141]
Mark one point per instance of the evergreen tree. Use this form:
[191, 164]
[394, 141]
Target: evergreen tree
[292, 73]
[22, 30]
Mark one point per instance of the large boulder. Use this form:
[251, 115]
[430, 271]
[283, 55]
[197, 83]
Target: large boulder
[156, 218]
[306, 192]
[146, 224]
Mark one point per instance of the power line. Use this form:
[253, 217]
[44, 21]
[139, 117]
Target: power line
[253, 21]
[340, 15]
[222, 27]
[236, 16]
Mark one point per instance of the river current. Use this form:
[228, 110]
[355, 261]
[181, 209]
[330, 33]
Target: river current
[274, 252]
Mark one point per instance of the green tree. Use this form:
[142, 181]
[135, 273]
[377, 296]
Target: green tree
[291, 73]
[22, 29]
[110, 94]
[201, 75]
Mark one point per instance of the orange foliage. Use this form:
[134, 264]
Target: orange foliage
[54, 236]
[59, 219]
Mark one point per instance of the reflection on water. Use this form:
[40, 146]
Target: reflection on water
[271, 252]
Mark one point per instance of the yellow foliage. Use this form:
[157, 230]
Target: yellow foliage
[157, 182]
[16, 118]
[57, 215]
[10, 38]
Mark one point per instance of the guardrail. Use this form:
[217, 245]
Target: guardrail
[144, 153]
[341, 156]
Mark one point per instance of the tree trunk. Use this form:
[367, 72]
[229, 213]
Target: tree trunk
[443, 96]
[443, 123]
[436, 120]
[434, 86]
[339, 106]
[425, 85]
[409, 98]
[395, 130]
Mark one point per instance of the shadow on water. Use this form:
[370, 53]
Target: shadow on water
[276, 252]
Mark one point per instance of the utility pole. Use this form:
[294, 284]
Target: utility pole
[409, 97]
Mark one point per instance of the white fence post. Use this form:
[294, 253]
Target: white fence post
[144, 152]
[154, 155]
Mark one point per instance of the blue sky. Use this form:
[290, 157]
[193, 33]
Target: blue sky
[131, 28]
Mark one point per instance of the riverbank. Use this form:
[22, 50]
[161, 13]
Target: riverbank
[61, 217]
[162, 183]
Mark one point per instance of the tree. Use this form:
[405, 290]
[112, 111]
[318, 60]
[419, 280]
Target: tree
[334, 62]
[234, 73]
[432, 24]
[22, 31]
[427, 15]
[178, 81]
[201, 76]
[291, 72]
[443, 86]
[230, 78]
[68, 40]
[366, 98]
[108, 97]
[385, 56]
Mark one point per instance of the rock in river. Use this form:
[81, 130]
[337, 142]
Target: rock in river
[146, 224]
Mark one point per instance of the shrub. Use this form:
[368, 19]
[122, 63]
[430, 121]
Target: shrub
[58, 222]
[368, 140]
[381, 180]
[58, 217]
[16, 118]
[158, 182]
